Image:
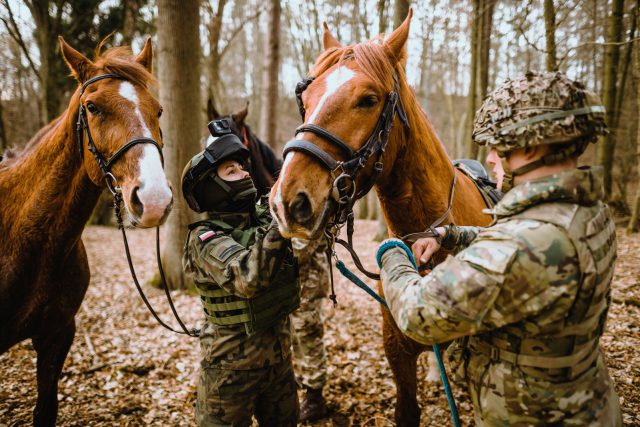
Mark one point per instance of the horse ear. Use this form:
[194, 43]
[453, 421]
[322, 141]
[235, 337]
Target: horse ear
[328, 41]
[212, 113]
[396, 43]
[145, 58]
[81, 67]
[241, 115]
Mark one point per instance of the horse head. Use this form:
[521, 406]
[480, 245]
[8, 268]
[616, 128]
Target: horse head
[350, 90]
[121, 123]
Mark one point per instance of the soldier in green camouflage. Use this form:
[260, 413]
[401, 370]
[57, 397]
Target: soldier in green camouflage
[526, 299]
[310, 359]
[247, 278]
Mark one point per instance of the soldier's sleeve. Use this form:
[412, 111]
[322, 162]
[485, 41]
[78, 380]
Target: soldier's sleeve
[499, 279]
[224, 261]
[459, 237]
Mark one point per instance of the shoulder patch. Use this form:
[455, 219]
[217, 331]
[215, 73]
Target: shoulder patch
[206, 236]
[492, 255]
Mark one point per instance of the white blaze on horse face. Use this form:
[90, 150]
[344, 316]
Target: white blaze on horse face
[278, 197]
[154, 192]
[333, 82]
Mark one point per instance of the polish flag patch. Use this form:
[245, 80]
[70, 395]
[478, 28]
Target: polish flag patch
[206, 236]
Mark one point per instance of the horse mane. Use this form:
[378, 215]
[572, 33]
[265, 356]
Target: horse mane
[372, 57]
[120, 61]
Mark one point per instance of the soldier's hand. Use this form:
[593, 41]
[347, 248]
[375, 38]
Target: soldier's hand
[423, 249]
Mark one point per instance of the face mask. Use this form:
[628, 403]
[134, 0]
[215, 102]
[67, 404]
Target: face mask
[214, 194]
[241, 194]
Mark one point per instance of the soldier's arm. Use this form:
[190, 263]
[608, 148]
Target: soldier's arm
[459, 237]
[240, 271]
[496, 281]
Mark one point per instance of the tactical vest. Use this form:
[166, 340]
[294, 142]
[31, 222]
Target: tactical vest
[266, 308]
[570, 347]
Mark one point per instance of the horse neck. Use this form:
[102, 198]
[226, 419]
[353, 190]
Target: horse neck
[414, 190]
[52, 195]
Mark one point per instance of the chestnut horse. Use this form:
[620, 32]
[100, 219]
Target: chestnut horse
[351, 87]
[48, 193]
[264, 165]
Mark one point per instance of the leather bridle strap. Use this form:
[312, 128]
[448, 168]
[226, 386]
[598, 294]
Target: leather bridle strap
[313, 150]
[125, 147]
[325, 134]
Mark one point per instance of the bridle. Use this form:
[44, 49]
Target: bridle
[344, 173]
[82, 129]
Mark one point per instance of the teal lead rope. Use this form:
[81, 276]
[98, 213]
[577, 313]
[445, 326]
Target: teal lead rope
[436, 349]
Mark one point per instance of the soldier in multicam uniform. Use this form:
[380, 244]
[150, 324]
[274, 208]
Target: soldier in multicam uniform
[247, 278]
[526, 299]
[310, 359]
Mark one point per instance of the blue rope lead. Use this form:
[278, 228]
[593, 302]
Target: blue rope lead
[436, 348]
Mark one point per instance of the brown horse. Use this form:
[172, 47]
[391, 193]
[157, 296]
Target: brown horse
[346, 98]
[264, 165]
[48, 193]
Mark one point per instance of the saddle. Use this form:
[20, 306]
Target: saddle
[476, 171]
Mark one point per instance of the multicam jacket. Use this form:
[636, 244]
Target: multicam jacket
[215, 259]
[525, 300]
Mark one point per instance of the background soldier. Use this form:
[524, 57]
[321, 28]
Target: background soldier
[247, 278]
[526, 298]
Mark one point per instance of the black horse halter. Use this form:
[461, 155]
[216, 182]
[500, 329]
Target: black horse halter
[82, 128]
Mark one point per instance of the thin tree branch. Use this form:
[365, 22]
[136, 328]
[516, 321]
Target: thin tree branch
[238, 29]
[15, 34]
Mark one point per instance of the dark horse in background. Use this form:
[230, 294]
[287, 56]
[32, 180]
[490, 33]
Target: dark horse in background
[48, 191]
[264, 165]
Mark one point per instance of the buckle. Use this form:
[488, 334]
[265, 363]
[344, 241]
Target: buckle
[494, 353]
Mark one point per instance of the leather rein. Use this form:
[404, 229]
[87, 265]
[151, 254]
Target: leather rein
[82, 129]
[344, 173]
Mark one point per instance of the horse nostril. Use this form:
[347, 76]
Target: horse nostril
[136, 204]
[300, 208]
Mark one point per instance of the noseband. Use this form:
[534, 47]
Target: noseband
[82, 128]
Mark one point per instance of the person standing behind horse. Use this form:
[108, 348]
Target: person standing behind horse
[526, 299]
[310, 360]
[247, 278]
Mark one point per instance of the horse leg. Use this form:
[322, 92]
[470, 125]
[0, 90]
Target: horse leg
[402, 354]
[52, 351]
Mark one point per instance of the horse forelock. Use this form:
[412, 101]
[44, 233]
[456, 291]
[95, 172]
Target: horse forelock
[120, 61]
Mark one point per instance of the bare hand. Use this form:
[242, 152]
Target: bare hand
[423, 249]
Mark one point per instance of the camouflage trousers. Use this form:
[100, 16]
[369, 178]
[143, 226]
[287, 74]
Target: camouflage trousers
[310, 359]
[229, 398]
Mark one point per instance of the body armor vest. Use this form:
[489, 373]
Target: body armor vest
[266, 308]
[569, 347]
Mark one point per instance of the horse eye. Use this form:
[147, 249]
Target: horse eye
[160, 112]
[367, 101]
[92, 108]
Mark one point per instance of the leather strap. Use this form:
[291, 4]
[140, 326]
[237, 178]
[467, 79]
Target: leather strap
[323, 133]
[313, 150]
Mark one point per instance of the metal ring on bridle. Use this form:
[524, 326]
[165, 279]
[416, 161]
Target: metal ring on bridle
[338, 195]
[112, 183]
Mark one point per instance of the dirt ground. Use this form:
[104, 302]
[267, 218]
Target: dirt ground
[125, 370]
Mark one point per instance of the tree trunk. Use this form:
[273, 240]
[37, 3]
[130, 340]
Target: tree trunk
[215, 29]
[270, 83]
[471, 97]
[382, 19]
[400, 12]
[179, 77]
[488, 7]
[131, 8]
[611, 60]
[550, 35]
[3, 134]
[634, 222]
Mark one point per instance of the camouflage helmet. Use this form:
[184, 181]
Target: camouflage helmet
[536, 109]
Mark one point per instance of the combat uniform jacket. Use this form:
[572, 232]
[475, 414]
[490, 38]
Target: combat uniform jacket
[526, 301]
[216, 259]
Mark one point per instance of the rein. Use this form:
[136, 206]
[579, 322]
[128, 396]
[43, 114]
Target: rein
[82, 129]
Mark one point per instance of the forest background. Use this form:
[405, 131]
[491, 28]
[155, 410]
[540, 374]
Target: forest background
[232, 52]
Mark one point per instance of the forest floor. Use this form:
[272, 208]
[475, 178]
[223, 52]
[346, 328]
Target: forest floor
[125, 370]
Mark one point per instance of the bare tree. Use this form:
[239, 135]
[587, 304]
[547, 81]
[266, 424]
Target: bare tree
[179, 76]
[550, 35]
[400, 11]
[612, 58]
[472, 94]
[270, 81]
[382, 19]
